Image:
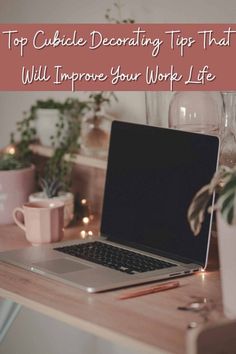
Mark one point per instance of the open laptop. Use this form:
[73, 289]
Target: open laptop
[152, 175]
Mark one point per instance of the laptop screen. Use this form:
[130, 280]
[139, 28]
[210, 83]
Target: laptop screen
[152, 176]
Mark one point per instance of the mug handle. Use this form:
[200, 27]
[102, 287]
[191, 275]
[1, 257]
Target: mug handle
[20, 224]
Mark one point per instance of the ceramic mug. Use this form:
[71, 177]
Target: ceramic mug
[43, 221]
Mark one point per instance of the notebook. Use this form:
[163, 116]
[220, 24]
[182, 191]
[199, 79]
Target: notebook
[152, 176]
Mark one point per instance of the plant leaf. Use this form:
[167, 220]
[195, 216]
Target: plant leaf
[197, 209]
[227, 199]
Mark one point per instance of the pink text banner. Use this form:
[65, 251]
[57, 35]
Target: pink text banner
[91, 57]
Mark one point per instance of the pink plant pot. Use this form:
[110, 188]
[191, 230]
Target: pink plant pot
[15, 188]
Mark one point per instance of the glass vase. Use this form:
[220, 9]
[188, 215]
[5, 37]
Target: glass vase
[196, 111]
[228, 141]
[95, 134]
[157, 106]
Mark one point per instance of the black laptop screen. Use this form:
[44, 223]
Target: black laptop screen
[152, 175]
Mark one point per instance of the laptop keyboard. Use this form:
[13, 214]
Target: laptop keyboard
[115, 257]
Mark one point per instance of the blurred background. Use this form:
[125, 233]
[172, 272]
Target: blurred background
[129, 107]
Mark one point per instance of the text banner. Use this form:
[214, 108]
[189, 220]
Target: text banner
[91, 57]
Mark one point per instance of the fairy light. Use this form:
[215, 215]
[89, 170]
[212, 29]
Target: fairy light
[85, 220]
[10, 149]
[202, 273]
[83, 234]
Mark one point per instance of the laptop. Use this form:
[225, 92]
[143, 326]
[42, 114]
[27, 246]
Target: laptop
[152, 176]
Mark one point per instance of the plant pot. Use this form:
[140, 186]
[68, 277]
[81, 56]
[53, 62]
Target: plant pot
[66, 197]
[46, 120]
[227, 249]
[15, 188]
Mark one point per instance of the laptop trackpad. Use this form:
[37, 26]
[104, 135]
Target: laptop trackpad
[60, 265]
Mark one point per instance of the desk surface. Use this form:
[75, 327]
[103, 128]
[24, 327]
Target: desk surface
[150, 324]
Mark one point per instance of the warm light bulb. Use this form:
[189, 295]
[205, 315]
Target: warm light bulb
[90, 233]
[85, 220]
[83, 201]
[83, 233]
[203, 273]
[10, 149]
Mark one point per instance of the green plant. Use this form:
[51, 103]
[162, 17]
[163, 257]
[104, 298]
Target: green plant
[117, 6]
[56, 173]
[50, 188]
[69, 111]
[10, 162]
[27, 134]
[26, 128]
[97, 99]
[223, 184]
[65, 141]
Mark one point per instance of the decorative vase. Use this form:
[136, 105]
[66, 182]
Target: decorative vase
[95, 133]
[227, 248]
[66, 197]
[15, 188]
[228, 142]
[45, 124]
[157, 107]
[196, 111]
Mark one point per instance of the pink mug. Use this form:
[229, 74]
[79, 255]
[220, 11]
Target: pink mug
[43, 221]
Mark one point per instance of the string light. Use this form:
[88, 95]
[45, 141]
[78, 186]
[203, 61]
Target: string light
[85, 220]
[83, 201]
[83, 234]
[87, 217]
[10, 149]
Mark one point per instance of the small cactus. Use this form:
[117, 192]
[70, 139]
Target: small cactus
[50, 187]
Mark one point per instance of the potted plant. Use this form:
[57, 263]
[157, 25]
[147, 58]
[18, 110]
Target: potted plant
[54, 178]
[114, 14]
[224, 184]
[96, 125]
[17, 182]
[54, 183]
[45, 116]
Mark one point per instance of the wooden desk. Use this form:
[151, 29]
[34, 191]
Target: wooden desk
[149, 324]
